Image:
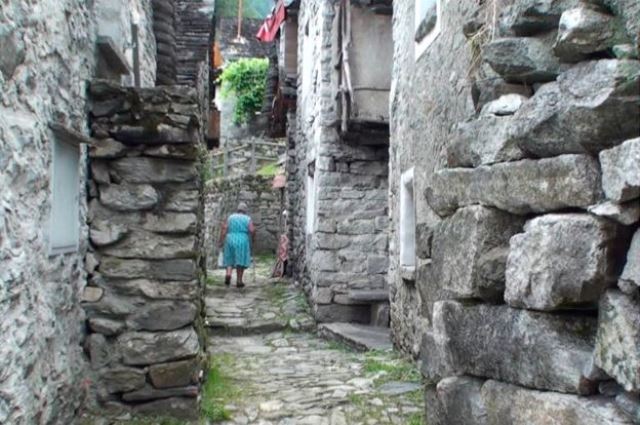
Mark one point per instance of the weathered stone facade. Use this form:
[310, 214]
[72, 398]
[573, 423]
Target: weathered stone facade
[337, 188]
[146, 259]
[266, 208]
[48, 53]
[520, 122]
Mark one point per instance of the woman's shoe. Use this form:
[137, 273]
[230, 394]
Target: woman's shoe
[227, 281]
[240, 285]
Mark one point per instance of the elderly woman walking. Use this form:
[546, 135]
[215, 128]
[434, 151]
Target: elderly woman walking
[237, 237]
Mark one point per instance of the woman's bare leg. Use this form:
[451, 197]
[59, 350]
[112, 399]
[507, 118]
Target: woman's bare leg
[227, 278]
[240, 273]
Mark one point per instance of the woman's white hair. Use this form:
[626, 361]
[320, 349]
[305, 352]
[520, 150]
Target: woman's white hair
[242, 207]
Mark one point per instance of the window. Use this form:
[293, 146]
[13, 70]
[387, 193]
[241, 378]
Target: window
[427, 24]
[311, 199]
[407, 221]
[65, 199]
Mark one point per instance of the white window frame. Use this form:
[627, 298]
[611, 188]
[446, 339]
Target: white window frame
[65, 207]
[311, 203]
[407, 220]
[422, 46]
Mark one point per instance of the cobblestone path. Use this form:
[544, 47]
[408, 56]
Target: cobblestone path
[272, 369]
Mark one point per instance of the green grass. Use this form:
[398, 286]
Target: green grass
[416, 419]
[269, 170]
[390, 367]
[219, 390]
[213, 280]
[339, 346]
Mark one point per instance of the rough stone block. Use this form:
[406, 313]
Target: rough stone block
[627, 213]
[103, 233]
[583, 31]
[505, 105]
[158, 222]
[163, 316]
[513, 405]
[621, 171]
[122, 379]
[531, 17]
[152, 289]
[146, 348]
[141, 269]
[154, 170]
[589, 109]
[129, 197]
[519, 187]
[182, 201]
[424, 239]
[107, 149]
[101, 352]
[618, 340]
[483, 141]
[461, 241]
[176, 407]
[157, 135]
[342, 313]
[380, 315]
[522, 60]
[561, 261]
[631, 273]
[536, 350]
[149, 393]
[175, 374]
[461, 401]
[630, 404]
[146, 245]
[105, 326]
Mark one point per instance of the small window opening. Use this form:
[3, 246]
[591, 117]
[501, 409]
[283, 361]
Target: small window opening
[311, 199]
[65, 199]
[427, 24]
[407, 221]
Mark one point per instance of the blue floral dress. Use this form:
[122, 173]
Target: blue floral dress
[237, 244]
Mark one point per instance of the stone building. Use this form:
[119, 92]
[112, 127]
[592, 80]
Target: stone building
[514, 198]
[51, 50]
[338, 161]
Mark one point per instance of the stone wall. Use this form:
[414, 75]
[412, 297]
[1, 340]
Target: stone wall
[48, 54]
[146, 257]
[194, 26]
[524, 305]
[343, 253]
[266, 206]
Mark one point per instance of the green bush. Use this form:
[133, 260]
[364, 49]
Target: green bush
[246, 79]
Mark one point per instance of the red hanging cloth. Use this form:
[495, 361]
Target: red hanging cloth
[269, 28]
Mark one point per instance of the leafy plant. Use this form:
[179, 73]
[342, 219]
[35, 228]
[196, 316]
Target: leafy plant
[246, 79]
[269, 170]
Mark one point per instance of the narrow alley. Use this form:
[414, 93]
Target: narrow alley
[270, 368]
[320, 212]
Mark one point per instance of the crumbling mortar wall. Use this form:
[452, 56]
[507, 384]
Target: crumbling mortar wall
[528, 207]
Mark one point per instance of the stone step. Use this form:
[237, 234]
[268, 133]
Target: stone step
[369, 296]
[358, 337]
